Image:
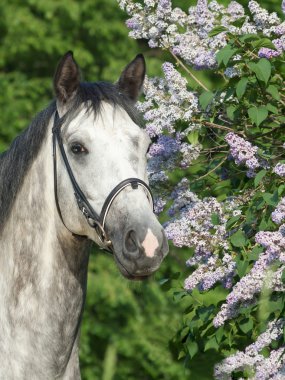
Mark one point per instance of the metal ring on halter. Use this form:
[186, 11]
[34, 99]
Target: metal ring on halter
[101, 233]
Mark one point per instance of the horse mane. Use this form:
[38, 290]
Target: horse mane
[17, 160]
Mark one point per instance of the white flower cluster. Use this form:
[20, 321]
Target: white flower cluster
[186, 34]
[196, 223]
[261, 275]
[193, 226]
[167, 100]
[253, 361]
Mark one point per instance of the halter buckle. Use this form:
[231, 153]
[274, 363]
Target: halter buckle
[102, 236]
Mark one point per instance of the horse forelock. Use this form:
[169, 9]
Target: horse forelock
[16, 161]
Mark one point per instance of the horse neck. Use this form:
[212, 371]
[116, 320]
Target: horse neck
[35, 242]
[42, 281]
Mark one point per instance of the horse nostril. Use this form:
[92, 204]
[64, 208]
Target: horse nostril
[131, 242]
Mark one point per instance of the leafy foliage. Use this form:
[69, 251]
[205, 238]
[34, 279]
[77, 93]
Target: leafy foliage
[131, 322]
[229, 209]
[125, 329]
[35, 34]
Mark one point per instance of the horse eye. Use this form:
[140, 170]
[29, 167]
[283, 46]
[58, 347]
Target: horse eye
[77, 148]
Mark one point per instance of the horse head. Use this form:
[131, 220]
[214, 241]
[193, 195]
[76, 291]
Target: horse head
[100, 147]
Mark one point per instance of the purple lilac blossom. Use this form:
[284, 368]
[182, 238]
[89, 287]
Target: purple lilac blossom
[268, 53]
[279, 169]
[167, 101]
[264, 21]
[192, 226]
[159, 204]
[278, 215]
[252, 358]
[207, 275]
[246, 290]
[168, 153]
[231, 72]
[186, 35]
[165, 147]
[159, 23]
[243, 152]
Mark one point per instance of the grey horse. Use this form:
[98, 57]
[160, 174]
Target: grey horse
[46, 233]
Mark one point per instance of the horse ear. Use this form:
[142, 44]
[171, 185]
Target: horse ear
[67, 78]
[131, 79]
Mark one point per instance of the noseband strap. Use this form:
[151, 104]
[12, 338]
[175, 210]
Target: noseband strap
[94, 220]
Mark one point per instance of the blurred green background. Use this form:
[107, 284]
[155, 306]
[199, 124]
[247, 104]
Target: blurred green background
[128, 329]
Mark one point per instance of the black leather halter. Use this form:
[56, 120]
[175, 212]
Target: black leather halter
[94, 220]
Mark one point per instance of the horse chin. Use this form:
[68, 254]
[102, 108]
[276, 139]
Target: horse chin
[132, 276]
[136, 278]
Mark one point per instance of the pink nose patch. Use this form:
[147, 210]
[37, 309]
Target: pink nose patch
[150, 243]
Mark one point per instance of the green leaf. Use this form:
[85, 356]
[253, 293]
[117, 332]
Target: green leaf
[275, 305]
[188, 309]
[230, 112]
[259, 177]
[192, 348]
[163, 281]
[165, 284]
[193, 137]
[257, 114]
[255, 253]
[238, 239]
[273, 91]
[212, 344]
[271, 199]
[272, 108]
[242, 267]
[225, 54]
[215, 219]
[205, 312]
[232, 221]
[181, 355]
[177, 296]
[205, 99]
[241, 87]
[239, 23]
[246, 325]
[263, 42]
[217, 30]
[249, 37]
[175, 275]
[262, 69]
[219, 334]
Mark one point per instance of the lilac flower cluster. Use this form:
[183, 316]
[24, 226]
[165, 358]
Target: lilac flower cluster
[167, 100]
[268, 53]
[253, 361]
[192, 226]
[159, 23]
[243, 152]
[214, 270]
[167, 154]
[278, 214]
[263, 20]
[247, 289]
[159, 204]
[279, 169]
